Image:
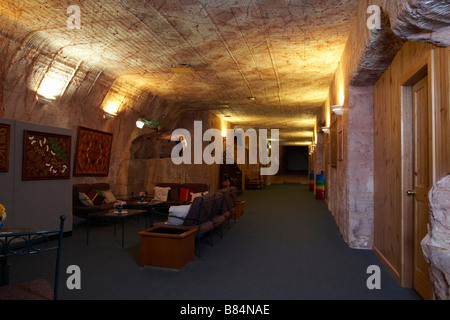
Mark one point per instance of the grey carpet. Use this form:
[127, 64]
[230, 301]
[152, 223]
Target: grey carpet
[286, 246]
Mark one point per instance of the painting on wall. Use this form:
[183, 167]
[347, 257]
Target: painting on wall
[341, 145]
[93, 152]
[333, 143]
[5, 134]
[46, 156]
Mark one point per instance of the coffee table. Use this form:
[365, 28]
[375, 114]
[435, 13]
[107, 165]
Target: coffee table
[114, 216]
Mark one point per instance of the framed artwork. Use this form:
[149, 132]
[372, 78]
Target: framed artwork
[341, 145]
[5, 135]
[46, 156]
[333, 144]
[93, 152]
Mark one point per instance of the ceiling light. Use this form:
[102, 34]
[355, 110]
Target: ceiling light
[337, 110]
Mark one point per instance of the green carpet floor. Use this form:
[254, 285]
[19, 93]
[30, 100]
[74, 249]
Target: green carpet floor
[286, 246]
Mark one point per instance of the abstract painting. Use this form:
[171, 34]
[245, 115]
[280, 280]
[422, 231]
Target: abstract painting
[46, 156]
[93, 152]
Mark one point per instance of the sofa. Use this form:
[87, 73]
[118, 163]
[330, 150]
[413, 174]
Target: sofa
[103, 199]
[207, 212]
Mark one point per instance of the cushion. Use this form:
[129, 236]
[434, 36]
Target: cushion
[198, 194]
[176, 212]
[185, 194]
[85, 199]
[161, 193]
[109, 196]
[95, 197]
[33, 290]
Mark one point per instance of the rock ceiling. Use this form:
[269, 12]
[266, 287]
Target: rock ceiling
[282, 53]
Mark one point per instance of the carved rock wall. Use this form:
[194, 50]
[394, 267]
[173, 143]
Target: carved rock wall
[436, 245]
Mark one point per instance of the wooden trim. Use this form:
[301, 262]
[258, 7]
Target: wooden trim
[407, 183]
[394, 272]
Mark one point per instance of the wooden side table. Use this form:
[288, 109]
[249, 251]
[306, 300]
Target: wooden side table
[167, 246]
[239, 210]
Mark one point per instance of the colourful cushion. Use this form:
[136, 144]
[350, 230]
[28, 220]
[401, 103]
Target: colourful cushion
[95, 197]
[185, 194]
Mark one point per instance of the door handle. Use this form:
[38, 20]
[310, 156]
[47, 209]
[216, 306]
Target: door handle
[411, 193]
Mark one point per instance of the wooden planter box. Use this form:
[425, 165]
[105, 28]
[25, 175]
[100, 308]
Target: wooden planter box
[239, 211]
[167, 246]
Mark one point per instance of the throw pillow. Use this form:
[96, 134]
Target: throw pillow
[177, 215]
[109, 196]
[198, 194]
[96, 198]
[185, 194]
[161, 193]
[85, 199]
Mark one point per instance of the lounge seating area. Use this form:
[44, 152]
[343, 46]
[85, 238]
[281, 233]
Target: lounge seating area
[176, 204]
[207, 213]
[92, 197]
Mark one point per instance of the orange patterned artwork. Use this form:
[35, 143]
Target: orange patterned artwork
[45, 156]
[93, 153]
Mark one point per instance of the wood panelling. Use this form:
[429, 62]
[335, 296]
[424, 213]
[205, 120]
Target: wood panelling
[392, 155]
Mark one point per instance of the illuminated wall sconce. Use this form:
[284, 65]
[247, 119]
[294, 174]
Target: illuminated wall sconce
[107, 115]
[110, 111]
[140, 123]
[51, 87]
[326, 130]
[337, 110]
[158, 124]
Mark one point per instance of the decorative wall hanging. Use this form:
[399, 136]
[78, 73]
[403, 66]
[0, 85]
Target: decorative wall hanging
[333, 144]
[5, 134]
[341, 145]
[93, 153]
[46, 156]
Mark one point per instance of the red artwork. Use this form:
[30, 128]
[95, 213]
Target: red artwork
[93, 153]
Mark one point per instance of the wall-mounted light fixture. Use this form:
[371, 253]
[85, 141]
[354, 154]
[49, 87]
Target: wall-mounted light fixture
[337, 109]
[110, 111]
[326, 130]
[51, 87]
[140, 123]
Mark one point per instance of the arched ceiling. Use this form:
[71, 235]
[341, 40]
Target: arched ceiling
[281, 53]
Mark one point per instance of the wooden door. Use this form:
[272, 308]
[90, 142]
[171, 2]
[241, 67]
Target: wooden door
[422, 183]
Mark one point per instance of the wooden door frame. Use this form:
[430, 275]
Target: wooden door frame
[422, 69]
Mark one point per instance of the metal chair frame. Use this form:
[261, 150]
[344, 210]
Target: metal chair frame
[26, 243]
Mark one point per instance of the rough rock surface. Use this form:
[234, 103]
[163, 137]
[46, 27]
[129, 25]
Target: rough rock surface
[436, 245]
